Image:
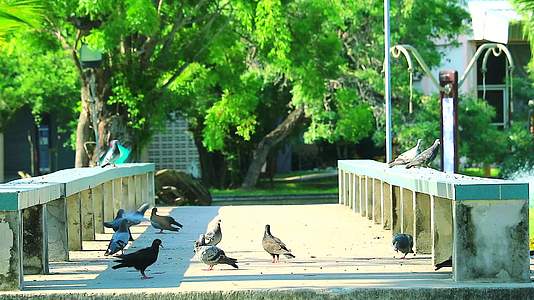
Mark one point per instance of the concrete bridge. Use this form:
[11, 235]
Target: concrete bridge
[337, 252]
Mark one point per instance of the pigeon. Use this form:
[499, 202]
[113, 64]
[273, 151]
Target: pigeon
[163, 222]
[120, 239]
[140, 260]
[274, 245]
[138, 216]
[425, 157]
[214, 236]
[403, 242]
[444, 264]
[116, 222]
[407, 156]
[111, 155]
[212, 255]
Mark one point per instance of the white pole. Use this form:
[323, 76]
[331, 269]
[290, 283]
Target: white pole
[387, 83]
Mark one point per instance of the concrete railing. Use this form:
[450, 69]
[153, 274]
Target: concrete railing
[43, 218]
[481, 223]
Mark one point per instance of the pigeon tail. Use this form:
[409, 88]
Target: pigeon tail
[229, 261]
[289, 255]
[176, 223]
[121, 265]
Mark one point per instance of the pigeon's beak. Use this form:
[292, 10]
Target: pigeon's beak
[161, 245]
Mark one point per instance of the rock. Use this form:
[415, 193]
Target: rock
[178, 188]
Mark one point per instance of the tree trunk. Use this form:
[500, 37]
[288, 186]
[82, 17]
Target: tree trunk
[211, 163]
[267, 143]
[83, 132]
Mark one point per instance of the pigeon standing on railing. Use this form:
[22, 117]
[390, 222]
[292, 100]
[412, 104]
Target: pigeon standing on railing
[407, 156]
[163, 222]
[119, 240]
[140, 260]
[425, 157]
[214, 236]
[212, 255]
[111, 155]
[274, 246]
[403, 242]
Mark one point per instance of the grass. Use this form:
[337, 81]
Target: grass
[479, 172]
[319, 186]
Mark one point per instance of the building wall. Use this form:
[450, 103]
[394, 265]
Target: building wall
[174, 148]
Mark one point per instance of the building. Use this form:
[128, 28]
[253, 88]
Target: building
[492, 22]
[174, 148]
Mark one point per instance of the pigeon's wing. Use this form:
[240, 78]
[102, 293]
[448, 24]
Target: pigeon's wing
[143, 208]
[279, 242]
[271, 245]
[209, 254]
[118, 241]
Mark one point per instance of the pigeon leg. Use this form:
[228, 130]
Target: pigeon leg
[210, 268]
[160, 231]
[404, 256]
[277, 258]
[274, 258]
[144, 276]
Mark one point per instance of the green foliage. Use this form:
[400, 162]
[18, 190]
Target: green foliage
[29, 79]
[520, 157]
[479, 141]
[18, 14]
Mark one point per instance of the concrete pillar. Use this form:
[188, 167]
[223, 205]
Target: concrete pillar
[377, 201]
[408, 215]
[340, 185]
[423, 224]
[11, 277]
[87, 216]
[369, 197]
[387, 204]
[131, 193]
[350, 190]
[117, 195]
[56, 219]
[355, 195]
[491, 241]
[442, 238]
[107, 192]
[362, 196]
[34, 243]
[396, 210]
[97, 193]
[74, 223]
[151, 189]
[1, 157]
[138, 192]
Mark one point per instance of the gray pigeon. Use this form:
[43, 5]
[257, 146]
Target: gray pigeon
[111, 155]
[116, 222]
[138, 216]
[214, 236]
[274, 245]
[163, 222]
[425, 157]
[407, 156]
[403, 242]
[212, 255]
[119, 240]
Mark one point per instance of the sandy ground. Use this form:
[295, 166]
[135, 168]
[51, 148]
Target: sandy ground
[334, 249]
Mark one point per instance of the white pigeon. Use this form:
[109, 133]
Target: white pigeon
[407, 156]
[214, 235]
[212, 255]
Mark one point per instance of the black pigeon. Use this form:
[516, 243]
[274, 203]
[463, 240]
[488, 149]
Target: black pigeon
[425, 157]
[163, 222]
[111, 155]
[403, 242]
[140, 260]
[117, 221]
[444, 264]
[274, 245]
[407, 156]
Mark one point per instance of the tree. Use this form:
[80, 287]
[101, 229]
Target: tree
[17, 14]
[146, 46]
